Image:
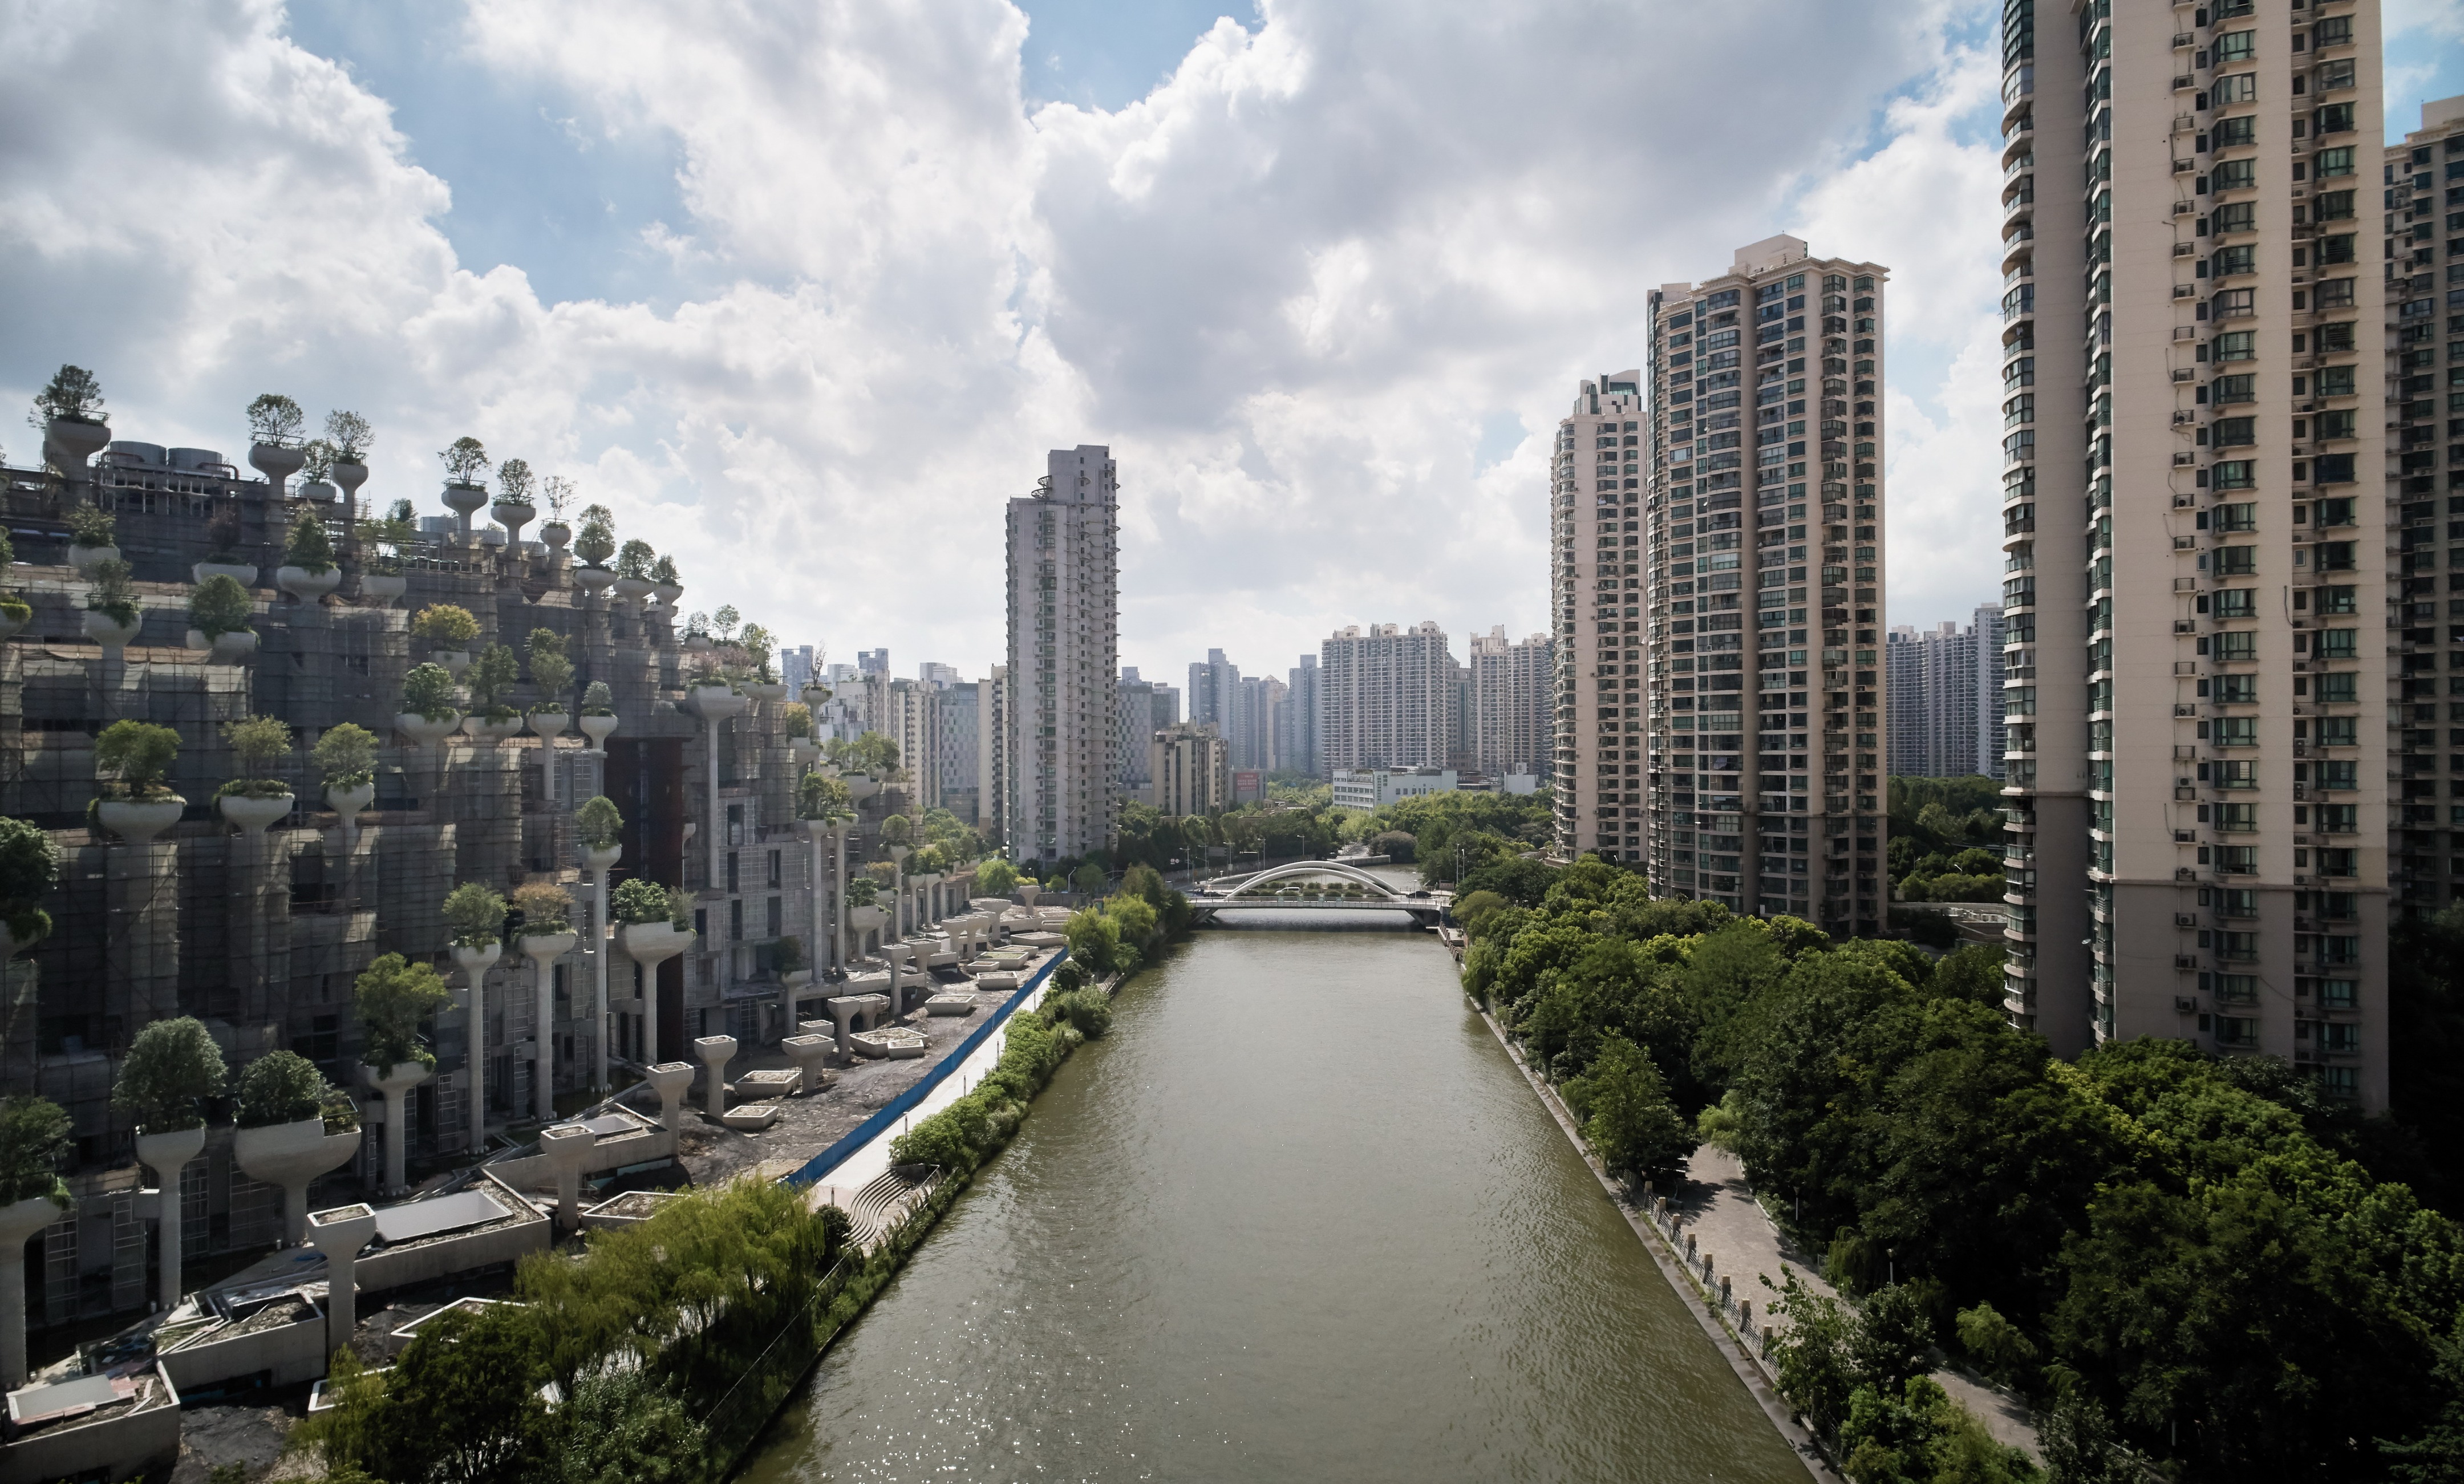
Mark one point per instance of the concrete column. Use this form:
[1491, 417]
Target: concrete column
[599, 862]
[839, 953]
[567, 1147]
[395, 1082]
[166, 1154]
[474, 964]
[544, 949]
[715, 1052]
[340, 1234]
[670, 1079]
[19, 1224]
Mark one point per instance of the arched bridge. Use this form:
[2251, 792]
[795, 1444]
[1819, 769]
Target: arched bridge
[1315, 886]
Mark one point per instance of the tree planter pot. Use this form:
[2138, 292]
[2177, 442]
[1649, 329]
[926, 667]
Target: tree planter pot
[9, 947]
[631, 590]
[393, 1082]
[454, 660]
[802, 750]
[480, 729]
[557, 536]
[384, 589]
[253, 815]
[291, 1156]
[424, 731]
[12, 622]
[711, 703]
[766, 690]
[512, 517]
[652, 943]
[305, 585]
[473, 964]
[230, 648]
[316, 489]
[550, 724]
[598, 729]
[349, 474]
[166, 1154]
[277, 463]
[593, 579]
[241, 572]
[73, 441]
[19, 1221]
[109, 632]
[463, 499]
[697, 644]
[139, 821]
[668, 593]
[347, 804]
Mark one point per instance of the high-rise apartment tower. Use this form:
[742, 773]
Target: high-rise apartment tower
[2424, 222]
[1386, 697]
[1763, 584]
[1063, 659]
[1514, 703]
[1596, 477]
[2196, 680]
[1946, 696]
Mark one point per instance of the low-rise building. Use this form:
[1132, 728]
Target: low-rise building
[1374, 788]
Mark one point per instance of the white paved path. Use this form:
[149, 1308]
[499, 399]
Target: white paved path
[870, 1161]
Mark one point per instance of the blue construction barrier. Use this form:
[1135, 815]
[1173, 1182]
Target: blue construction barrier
[821, 1165]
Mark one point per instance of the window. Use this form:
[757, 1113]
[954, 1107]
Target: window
[2236, 561]
[2237, 819]
[2336, 205]
[2241, 174]
[2236, 690]
[2338, 248]
[2337, 294]
[2338, 731]
[2337, 337]
[2243, 516]
[2230, 132]
[2238, 645]
[2234, 304]
[2237, 732]
[2336, 119]
[2335, 74]
[2236, 46]
[2337, 424]
[2335, 468]
[2335, 380]
[2336, 689]
[2233, 262]
[2339, 644]
[2237, 602]
[2332, 30]
[2235, 432]
[2236, 388]
[2235, 474]
[2335, 162]
[2236, 345]
[2242, 88]
[2239, 216]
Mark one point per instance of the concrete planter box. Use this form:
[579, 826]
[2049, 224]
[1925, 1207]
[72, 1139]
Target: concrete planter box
[951, 1004]
[645, 1144]
[138, 821]
[381, 589]
[751, 1117]
[305, 585]
[524, 1231]
[114, 1442]
[769, 1084]
[898, 1045]
[630, 1209]
[400, 1339]
[230, 1349]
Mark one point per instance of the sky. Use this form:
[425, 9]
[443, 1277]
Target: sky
[804, 291]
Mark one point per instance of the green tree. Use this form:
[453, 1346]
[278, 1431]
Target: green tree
[1631, 1125]
[490, 676]
[345, 755]
[219, 605]
[1094, 940]
[393, 998]
[995, 877]
[170, 1069]
[136, 754]
[280, 1087]
[36, 1138]
[623, 1429]
[462, 1404]
[475, 914]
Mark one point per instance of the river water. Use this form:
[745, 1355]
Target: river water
[1297, 1217]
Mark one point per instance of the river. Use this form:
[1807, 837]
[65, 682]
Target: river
[1297, 1217]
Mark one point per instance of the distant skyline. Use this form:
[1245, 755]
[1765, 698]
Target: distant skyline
[803, 292]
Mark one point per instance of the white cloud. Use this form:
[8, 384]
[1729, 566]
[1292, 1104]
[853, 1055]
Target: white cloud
[1288, 286]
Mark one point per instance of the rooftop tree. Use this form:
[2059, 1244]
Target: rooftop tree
[393, 998]
[276, 419]
[170, 1069]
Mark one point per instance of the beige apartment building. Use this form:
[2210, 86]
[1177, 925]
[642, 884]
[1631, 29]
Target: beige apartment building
[1595, 476]
[2194, 595]
[2422, 206]
[1189, 769]
[1061, 781]
[1762, 586]
[1513, 688]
